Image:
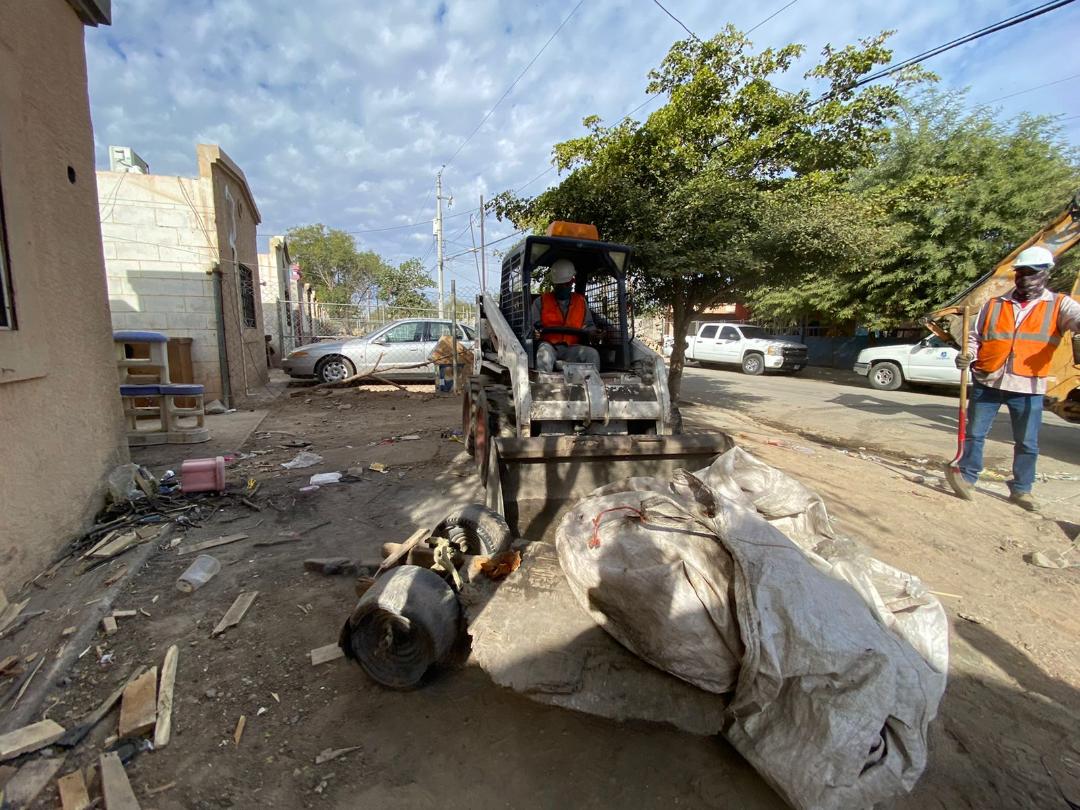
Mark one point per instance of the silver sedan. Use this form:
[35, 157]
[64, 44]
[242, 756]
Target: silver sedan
[397, 347]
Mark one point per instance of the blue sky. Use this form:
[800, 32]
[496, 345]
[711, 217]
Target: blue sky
[342, 112]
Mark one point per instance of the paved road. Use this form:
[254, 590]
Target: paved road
[839, 406]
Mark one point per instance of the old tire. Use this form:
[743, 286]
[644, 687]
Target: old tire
[407, 621]
[885, 376]
[483, 530]
[753, 363]
[334, 369]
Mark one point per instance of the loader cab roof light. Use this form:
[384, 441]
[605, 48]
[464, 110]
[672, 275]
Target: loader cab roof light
[574, 230]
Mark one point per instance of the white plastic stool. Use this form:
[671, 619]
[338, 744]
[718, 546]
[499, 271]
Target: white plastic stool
[157, 363]
[173, 413]
[158, 433]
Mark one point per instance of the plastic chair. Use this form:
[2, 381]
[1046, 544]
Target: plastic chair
[136, 437]
[156, 364]
[173, 413]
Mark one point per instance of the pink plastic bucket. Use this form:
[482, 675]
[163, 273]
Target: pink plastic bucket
[202, 475]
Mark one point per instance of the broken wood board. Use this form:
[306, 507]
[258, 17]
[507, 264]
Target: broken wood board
[329, 652]
[11, 613]
[29, 738]
[219, 541]
[117, 546]
[8, 664]
[235, 614]
[582, 667]
[75, 735]
[107, 538]
[21, 789]
[138, 709]
[329, 754]
[73, 795]
[414, 539]
[240, 724]
[163, 729]
[124, 614]
[108, 624]
[115, 576]
[115, 786]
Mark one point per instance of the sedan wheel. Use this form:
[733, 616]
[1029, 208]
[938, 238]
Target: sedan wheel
[335, 369]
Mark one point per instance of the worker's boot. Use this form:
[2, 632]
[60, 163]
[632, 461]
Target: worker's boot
[1024, 500]
[960, 485]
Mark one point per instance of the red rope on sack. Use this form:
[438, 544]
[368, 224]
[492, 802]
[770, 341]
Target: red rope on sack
[594, 541]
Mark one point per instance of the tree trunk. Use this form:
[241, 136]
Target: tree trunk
[681, 316]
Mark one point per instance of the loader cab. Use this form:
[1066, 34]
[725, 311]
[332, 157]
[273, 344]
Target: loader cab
[601, 277]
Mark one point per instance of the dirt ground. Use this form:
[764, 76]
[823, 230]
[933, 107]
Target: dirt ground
[1011, 710]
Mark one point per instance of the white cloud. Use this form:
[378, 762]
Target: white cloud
[343, 112]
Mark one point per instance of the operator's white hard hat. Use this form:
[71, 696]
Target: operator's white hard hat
[562, 271]
[1035, 256]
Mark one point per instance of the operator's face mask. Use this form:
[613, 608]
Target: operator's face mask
[1031, 282]
[564, 291]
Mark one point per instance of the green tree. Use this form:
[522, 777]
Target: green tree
[343, 274]
[733, 183]
[952, 192]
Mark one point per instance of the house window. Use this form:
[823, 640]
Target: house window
[247, 296]
[7, 308]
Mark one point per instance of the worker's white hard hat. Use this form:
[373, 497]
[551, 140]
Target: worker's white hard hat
[562, 271]
[1034, 256]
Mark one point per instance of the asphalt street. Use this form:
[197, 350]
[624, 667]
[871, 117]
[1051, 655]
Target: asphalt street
[838, 407]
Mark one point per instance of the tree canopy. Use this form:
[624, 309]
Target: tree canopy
[734, 181]
[343, 274]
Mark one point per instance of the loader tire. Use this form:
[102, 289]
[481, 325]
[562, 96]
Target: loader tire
[484, 531]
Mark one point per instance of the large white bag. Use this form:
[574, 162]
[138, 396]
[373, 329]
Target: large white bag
[836, 661]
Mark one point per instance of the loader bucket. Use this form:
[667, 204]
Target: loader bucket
[533, 481]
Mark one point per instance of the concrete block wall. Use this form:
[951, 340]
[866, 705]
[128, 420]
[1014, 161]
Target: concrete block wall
[159, 240]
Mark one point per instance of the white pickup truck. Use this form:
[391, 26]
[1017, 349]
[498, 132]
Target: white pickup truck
[745, 345]
[931, 361]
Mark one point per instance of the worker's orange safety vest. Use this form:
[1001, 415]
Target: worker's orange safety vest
[551, 317]
[1031, 344]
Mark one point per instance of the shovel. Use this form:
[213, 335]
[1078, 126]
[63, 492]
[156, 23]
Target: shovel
[961, 420]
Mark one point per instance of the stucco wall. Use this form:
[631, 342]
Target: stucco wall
[61, 429]
[160, 241]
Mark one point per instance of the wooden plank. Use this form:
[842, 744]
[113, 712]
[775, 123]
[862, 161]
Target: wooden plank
[124, 614]
[29, 738]
[236, 613]
[11, 613]
[115, 786]
[73, 795]
[138, 709]
[219, 541]
[100, 544]
[76, 734]
[329, 652]
[117, 546]
[163, 729]
[21, 789]
[239, 732]
[402, 552]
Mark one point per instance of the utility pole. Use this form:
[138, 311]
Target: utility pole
[483, 251]
[439, 241]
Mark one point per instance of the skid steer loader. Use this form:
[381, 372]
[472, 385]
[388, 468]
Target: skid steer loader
[543, 439]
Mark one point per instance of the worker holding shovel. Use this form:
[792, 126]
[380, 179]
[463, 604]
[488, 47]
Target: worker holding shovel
[1009, 349]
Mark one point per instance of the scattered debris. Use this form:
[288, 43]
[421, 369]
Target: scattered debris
[115, 576]
[290, 536]
[333, 753]
[310, 488]
[108, 624]
[8, 665]
[26, 681]
[163, 727]
[67, 631]
[115, 786]
[377, 466]
[235, 614]
[239, 732]
[29, 738]
[20, 621]
[501, 565]
[969, 617]
[159, 789]
[303, 459]
[125, 614]
[320, 479]
[329, 566]
[325, 654]
[214, 408]
[1048, 558]
[75, 735]
[274, 695]
[218, 541]
[138, 709]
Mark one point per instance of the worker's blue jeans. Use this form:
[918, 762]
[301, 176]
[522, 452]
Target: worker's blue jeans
[1025, 412]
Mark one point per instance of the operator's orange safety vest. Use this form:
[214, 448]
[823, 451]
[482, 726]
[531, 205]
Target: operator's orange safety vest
[1031, 344]
[551, 317]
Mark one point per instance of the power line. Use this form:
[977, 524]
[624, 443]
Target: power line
[782, 8]
[513, 84]
[676, 19]
[948, 46]
[1031, 89]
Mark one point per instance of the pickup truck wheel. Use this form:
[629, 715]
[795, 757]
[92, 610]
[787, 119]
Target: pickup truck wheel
[885, 376]
[753, 363]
